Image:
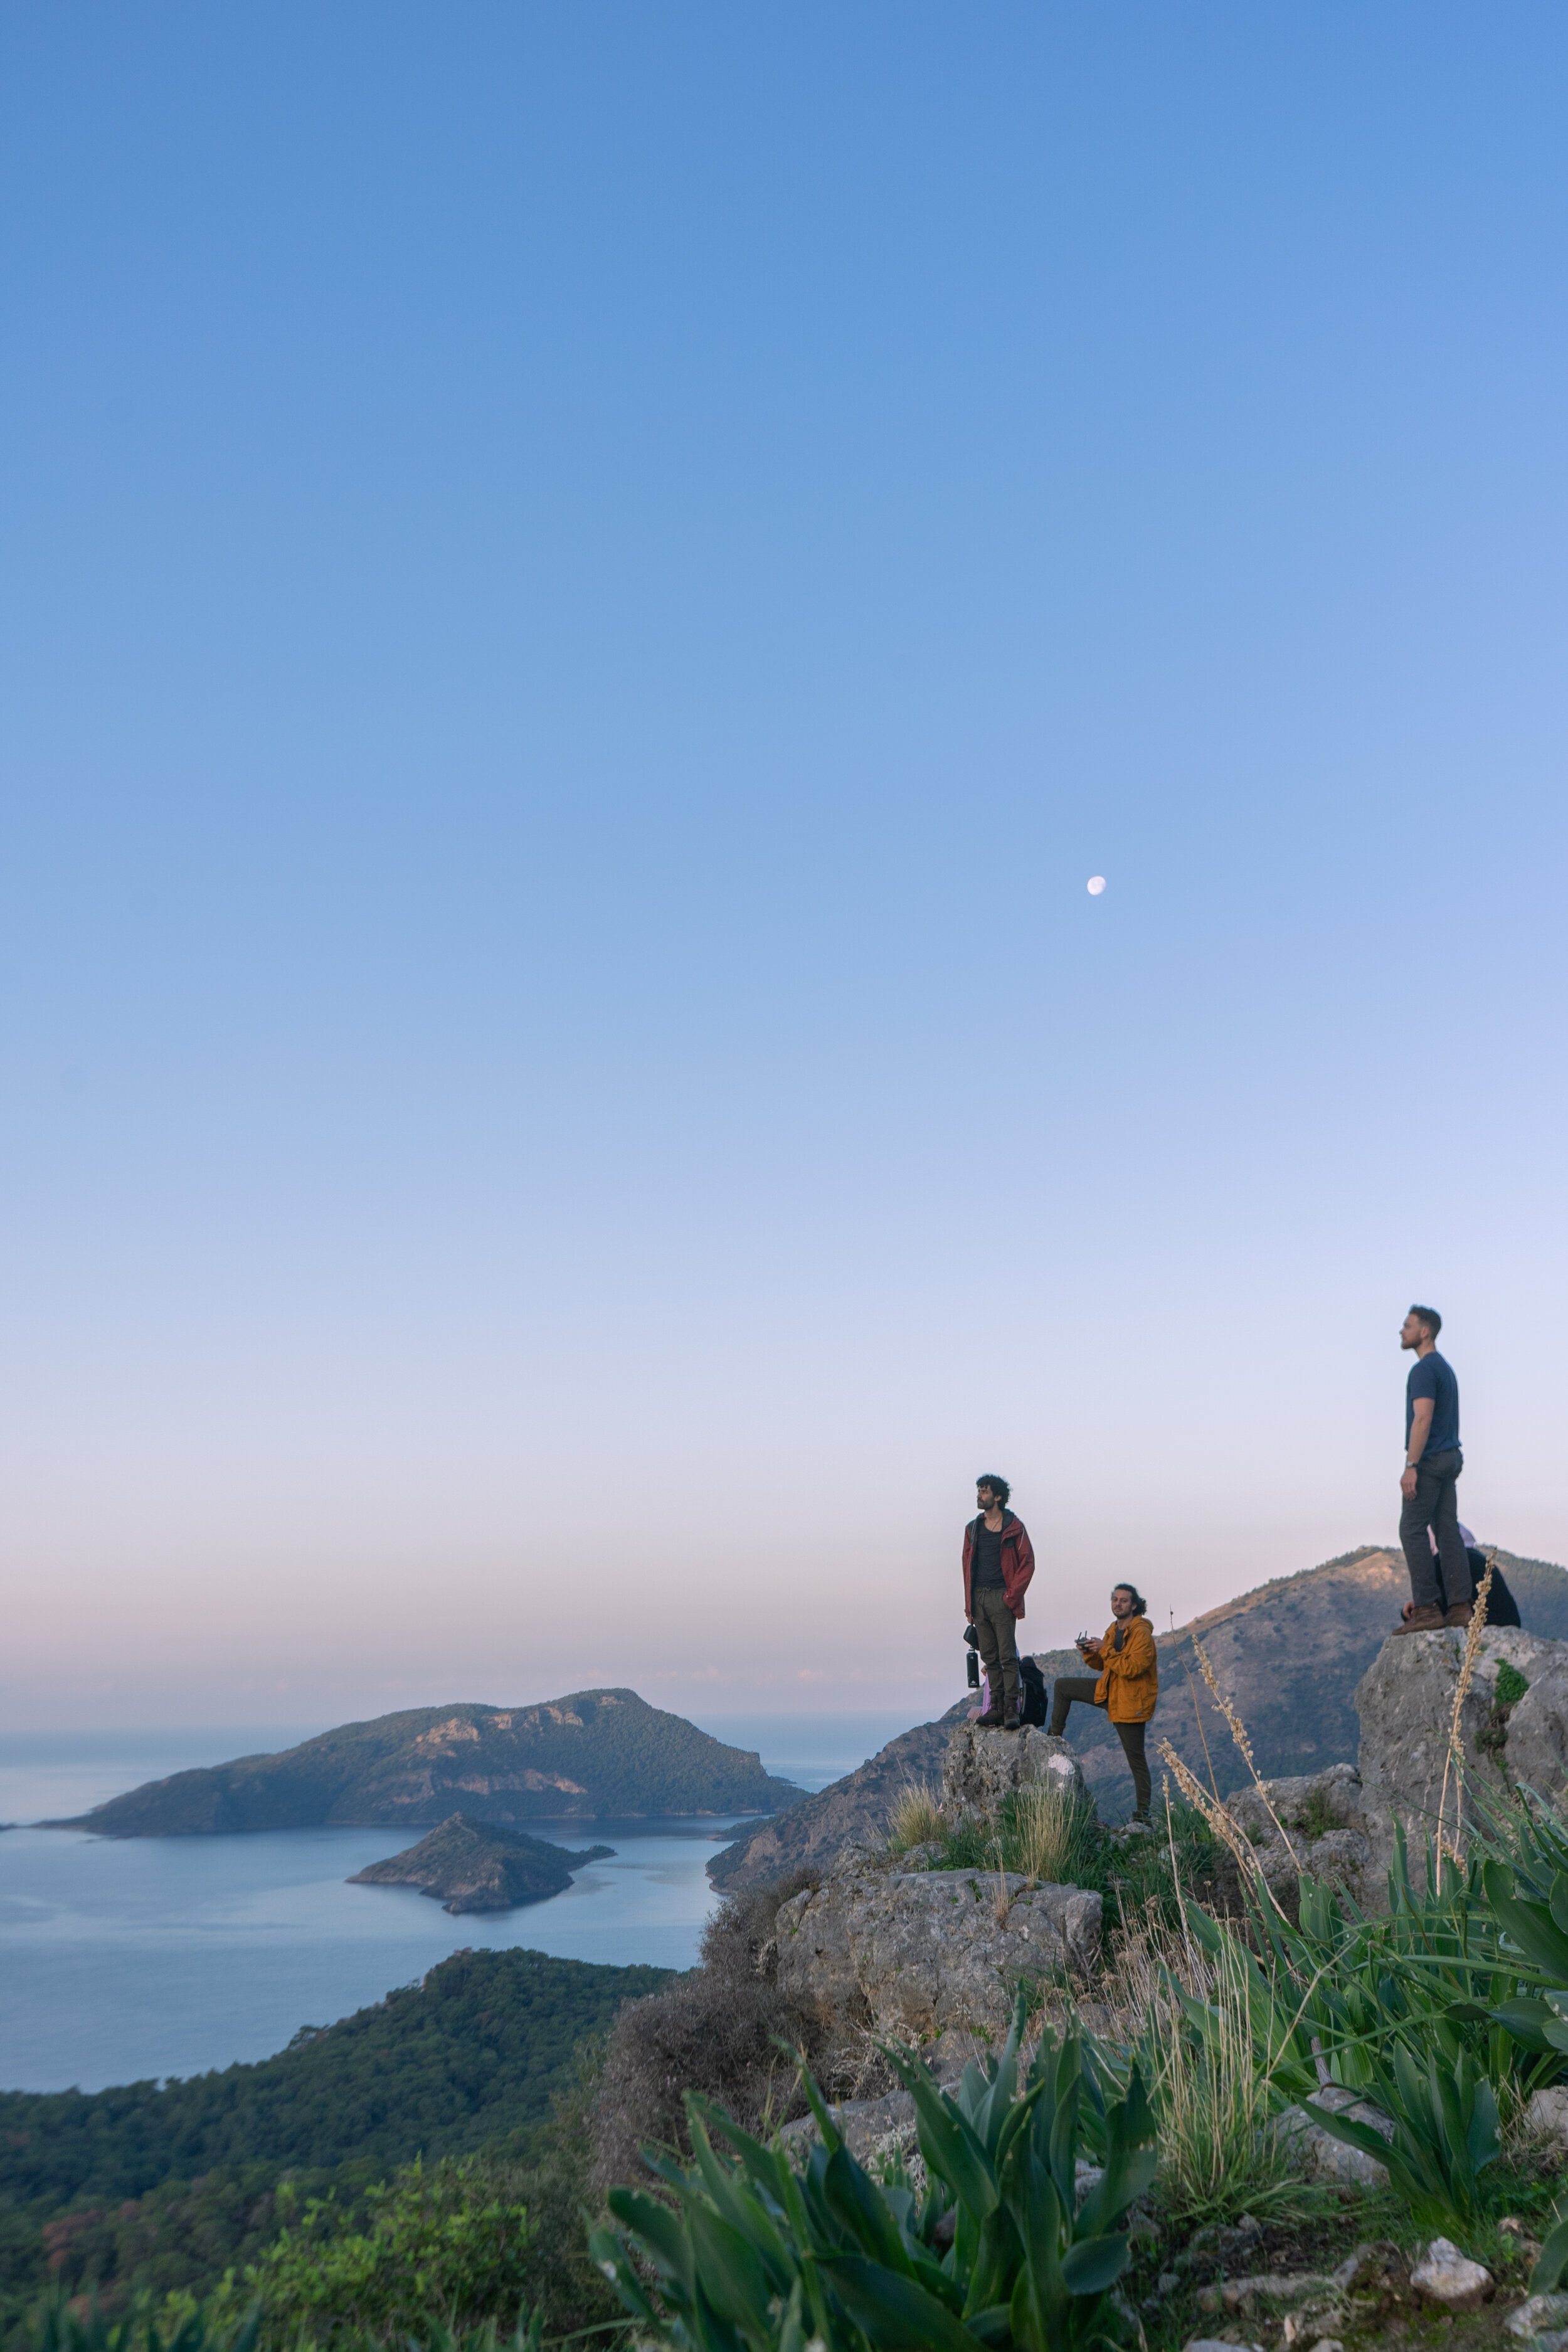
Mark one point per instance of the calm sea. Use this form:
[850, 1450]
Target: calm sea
[129, 1958]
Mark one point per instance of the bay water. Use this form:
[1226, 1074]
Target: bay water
[129, 1959]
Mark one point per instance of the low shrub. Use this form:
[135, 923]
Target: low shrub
[716, 2031]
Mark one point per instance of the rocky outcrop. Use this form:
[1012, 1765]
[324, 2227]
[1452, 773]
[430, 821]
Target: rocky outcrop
[851, 1812]
[981, 1768]
[1405, 1703]
[1341, 1823]
[1311, 1822]
[918, 1954]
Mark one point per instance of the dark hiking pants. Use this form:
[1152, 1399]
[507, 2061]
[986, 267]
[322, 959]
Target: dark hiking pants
[1435, 1504]
[1063, 1690]
[998, 1632]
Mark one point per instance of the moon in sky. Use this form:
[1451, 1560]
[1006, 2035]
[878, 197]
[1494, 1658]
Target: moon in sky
[1096, 885]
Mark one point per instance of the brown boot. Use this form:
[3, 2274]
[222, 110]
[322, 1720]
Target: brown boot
[1425, 1619]
[1460, 1613]
[992, 1718]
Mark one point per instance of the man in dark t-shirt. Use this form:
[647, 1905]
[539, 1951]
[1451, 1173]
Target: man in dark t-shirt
[1432, 1466]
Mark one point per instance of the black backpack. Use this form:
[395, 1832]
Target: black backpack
[1032, 1691]
[1502, 1609]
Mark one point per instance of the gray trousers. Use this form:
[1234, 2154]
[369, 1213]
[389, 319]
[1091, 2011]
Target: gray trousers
[1435, 1504]
[998, 1632]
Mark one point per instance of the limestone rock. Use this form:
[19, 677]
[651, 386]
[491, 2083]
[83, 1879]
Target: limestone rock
[922, 1953]
[1544, 2315]
[1273, 2286]
[1320, 1815]
[1405, 1703]
[1547, 2114]
[982, 1767]
[1375, 2265]
[1320, 2156]
[1446, 2276]
[1218, 2344]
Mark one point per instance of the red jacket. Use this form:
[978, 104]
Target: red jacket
[1017, 1563]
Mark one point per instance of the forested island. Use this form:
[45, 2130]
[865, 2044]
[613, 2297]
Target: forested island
[600, 1755]
[469, 1866]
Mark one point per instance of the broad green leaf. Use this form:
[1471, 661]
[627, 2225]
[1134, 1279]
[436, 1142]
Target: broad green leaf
[894, 2312]
[1526, 2019]
[609, 2257]
[1092, 2264]
[859, 2206]
[947, 2139]
[728, 2269]
[1530, 1925]
[1551, 2263]
[657, 2229]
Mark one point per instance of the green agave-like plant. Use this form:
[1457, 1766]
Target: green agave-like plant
[755, 2256]
[1444, 2132]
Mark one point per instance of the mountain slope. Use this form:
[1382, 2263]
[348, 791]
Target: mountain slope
[597, 1755]
[1288, 1655]
[853, 1808]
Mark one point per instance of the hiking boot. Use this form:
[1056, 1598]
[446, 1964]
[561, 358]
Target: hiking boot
[1426, 1618]
[1460, 1613]
[1013, 1723]
[992, 1718]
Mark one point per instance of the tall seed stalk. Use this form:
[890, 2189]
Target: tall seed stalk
[1454, 1762]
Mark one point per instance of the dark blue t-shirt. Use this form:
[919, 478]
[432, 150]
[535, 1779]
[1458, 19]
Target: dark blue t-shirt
[1431, 1376]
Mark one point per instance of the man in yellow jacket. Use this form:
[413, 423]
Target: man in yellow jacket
[1126, 1684]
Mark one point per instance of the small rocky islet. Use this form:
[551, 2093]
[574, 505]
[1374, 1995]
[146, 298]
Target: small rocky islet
[471, 1866]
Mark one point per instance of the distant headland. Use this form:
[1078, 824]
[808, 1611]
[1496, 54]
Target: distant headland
[600, 1755]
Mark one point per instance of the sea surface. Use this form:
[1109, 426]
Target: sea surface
[136, 1959]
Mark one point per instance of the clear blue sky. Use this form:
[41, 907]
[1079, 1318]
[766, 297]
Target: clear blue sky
[585, 586]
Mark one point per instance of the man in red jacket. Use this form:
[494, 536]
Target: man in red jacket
[997, 1565]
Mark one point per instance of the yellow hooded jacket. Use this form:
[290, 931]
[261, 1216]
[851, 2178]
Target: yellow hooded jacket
[1128, 1686]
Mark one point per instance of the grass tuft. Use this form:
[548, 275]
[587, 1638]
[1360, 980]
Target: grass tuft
[915, 1818]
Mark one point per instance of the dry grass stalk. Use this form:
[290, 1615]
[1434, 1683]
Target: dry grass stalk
[1455, 1761]
[1203, 1735]
[1238, 1733]
[1219, 1821]
[1176, 1874]
[914, 1818]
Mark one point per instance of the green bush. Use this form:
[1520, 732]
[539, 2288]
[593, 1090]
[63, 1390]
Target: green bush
[62, 2328]
[441, 2244]
[997, 2252]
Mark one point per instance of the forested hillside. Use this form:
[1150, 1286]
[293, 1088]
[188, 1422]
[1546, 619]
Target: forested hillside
[172, 2184]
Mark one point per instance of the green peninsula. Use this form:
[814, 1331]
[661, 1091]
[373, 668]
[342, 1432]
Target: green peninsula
[469, 1866]
[600, 1755]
